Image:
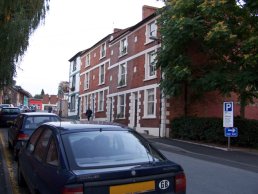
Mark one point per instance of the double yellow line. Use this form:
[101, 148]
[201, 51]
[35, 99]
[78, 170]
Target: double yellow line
[8, 165]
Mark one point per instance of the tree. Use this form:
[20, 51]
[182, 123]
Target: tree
[224, 37]
[63, 88]
[18, 19]
[41, 95]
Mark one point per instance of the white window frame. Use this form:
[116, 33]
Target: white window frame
[121, 107]
[72, 103]
[123, 47]
[74, 65]
[122, 76]
[86, 103]
[102, 74]
[87, 81]
[103, 49]
[151, 31]
[87, 60]
[101, 101]
[150, 65]
[147, 102]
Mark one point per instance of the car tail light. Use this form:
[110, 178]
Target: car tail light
[73, 189]
[22, 136]
[180, 183]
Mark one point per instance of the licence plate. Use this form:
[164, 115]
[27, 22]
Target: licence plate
[133, 188]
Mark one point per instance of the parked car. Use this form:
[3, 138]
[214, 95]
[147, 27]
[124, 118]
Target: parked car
[95, 158]
[5, 105]
[23, 127]
[8, 114]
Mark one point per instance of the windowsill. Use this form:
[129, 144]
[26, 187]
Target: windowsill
[149, 117]
[120, 118]
[102, 57]
[100, 84]
[122, 54]
[86, 89]
[150, 78]
[148, 41]
[122, 86]
[87, 66]
[100, 110]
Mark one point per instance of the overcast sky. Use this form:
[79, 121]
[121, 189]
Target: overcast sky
[71, 26]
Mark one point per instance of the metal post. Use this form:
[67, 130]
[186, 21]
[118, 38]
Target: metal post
[228, 143]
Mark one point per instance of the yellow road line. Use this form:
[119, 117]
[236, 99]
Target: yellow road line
[8, 158]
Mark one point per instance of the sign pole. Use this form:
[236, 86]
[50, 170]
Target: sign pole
[228, 143]
[228, 120]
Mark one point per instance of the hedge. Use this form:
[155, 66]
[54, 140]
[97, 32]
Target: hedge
[211, 130]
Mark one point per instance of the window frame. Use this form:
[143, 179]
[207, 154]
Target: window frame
[72, 103]
[101, 74]
[86, 103]
[123, 47]
[151, 32]
[87, 60]
[74, 65]
[103, 50]
[150, 65]
[147, 102]
[87, 81]
[101, 101]
[121, 107]
[44, 151]
[122, 76]
[52, 140]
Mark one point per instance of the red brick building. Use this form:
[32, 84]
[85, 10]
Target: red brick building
[119, 82]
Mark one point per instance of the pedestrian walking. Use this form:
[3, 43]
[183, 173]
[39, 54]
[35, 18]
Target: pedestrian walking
[50, 109]
[88, 113]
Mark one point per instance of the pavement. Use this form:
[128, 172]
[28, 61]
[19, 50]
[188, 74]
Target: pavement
[242, 158]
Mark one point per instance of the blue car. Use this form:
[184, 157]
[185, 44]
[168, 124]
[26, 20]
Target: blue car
[24, 125]
[8, 115]
[75, 158]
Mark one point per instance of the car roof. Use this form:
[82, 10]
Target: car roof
[10, 108]
[38, 114]
[70, 126]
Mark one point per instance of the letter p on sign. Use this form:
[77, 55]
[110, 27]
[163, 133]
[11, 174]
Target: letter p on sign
[228, 106]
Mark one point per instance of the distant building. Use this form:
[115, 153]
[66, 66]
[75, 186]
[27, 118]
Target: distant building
[36, 102]
[50, 101]
[15, 95]
[74, 79]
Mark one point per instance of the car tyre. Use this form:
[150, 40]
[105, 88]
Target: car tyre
[21, 180]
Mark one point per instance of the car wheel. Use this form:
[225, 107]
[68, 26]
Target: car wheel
[21, 181]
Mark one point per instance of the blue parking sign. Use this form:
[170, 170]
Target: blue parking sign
[231, 132]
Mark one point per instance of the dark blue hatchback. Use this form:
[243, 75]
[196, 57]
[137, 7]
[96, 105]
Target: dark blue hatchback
[67, 158]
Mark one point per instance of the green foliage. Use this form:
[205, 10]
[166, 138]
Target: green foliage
[223, 33]
[18, 19]
[211, 130]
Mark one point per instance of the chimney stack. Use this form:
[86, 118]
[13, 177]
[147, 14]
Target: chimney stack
[147, 11]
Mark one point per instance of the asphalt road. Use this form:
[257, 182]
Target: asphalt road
[208, 170]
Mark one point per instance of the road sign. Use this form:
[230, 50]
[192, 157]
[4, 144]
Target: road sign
[231, 132]
[228, 114]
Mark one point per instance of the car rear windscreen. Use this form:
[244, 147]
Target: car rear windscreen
[10, 111]
[33, 122]
[104, 148]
